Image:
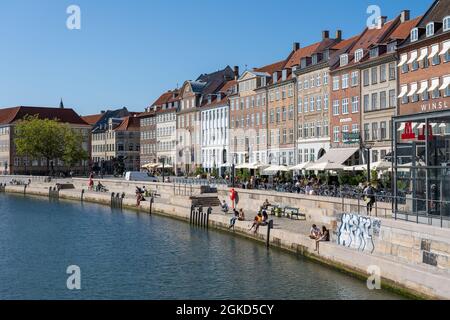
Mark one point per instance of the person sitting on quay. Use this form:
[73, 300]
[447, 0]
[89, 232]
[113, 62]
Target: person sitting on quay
[241, 215]
[257, 222]
[145, 191]
[224, 207]
[324, 237]
[266, 204]
[315, 233]
[234, 219]
[265, 218]
[100, 187]
[139, 196]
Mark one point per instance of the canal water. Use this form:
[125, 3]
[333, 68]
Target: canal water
[124, 255]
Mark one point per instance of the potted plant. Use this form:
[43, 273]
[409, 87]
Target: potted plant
[278, 213]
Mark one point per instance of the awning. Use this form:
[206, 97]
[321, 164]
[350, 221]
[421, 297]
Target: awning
[423, 54]
[301, 166]
[445, 48]
[423, 87]
[403, 60]
[413, 89]
[338, 155]
[445, 83]
[434, 51]
[413, 57]
[402, 126]
[403, 92]
[275, 168]
[326, 166]
[434, 85]
[150, 165]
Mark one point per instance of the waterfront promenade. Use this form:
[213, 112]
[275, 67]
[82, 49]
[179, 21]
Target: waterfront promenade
[399, 248]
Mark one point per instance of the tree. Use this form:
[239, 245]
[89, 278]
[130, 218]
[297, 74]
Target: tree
[49, 139]
[73, 147]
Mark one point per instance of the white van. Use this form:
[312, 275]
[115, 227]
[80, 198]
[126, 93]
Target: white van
[139, 176]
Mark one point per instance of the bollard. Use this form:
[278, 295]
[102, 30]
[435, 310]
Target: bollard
[151, 204]
[269, 227]
[82, 195]
[207, 217]
[24, 189]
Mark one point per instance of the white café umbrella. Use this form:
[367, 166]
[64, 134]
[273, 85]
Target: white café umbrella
[326, 166]
[276, 168]
[356, 168]
[150, 165]
[301, 166]
[381, 165]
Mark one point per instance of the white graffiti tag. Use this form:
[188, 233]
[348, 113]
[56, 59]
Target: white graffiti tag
[357, 232]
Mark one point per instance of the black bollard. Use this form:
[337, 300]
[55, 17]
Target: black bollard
[82, 195]
[269, 227]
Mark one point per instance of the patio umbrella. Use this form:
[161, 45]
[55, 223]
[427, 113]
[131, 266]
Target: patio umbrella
[381, 165]
[276, 168]
[326, 166]
[302, 166]
[356, 168]
[167, 166]
[150, 165]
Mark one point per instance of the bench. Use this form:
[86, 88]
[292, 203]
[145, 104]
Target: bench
[291, 212]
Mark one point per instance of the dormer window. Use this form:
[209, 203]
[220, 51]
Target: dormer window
[314, 59]
[326, 55]
[303, 63]
[414, 35]
[430, 29]
[374, 52]
[446, 23]
[275, 77]
[359, 55]
[284, 75]
[344, 59]
[392, 46]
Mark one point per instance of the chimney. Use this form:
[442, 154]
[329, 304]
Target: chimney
[236, 72]
[325, 34]
[295, 46]
[339, 35]
[383, 20]
[405, 16]
[103, 112]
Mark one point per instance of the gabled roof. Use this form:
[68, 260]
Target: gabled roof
[92, 119]
[301, 53]
[436, 13]
[66, 115]
[129, 124]
[404, 29]
[271, 68]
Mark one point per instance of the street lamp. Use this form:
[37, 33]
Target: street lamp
[233, 170]
[163, 161]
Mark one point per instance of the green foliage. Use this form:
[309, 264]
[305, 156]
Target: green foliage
[402, 185]
[198, 171]
[243, 174]
[49, 139]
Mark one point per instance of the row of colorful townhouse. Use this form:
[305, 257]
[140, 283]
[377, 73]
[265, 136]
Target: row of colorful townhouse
[332, 100]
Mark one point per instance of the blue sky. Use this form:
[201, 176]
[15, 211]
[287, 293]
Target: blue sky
[128, 52]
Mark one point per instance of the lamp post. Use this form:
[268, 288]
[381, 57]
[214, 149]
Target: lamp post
[366, 148]
[233, 169]
[163, 161]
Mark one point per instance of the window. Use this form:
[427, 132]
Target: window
[355, 78]
[325, 78]
[373, 52]
[414, 35]
[392, 46]
[403, 95]
[291, 112]
[383, 104]
[392, 99]
[300, 104]
[343, 60]
[445, 51]
[325, 128]
[318, 80]
[355, 128]
[355, 104]
[366, 103]
[359, 54]
[278, 115]
[284, 113]
[311, 104]
[325, 102]
[336, 107]
[345, 106]
[383, 73]
[318, 129]
[375, 131]
[336, 83]
[336, 134]
[305, 104]
[366, 77]
[345, 81]
[300, 131]
[374, 101]
[374, 155]
[446, 23]
[300, 155]
[374, 72]
[366, 132]
[271, 117]
[319, 103]
[392, 68]
[436, 58]
[430, 29]
[345, 133]
[383, 130]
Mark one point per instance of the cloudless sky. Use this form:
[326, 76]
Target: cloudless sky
[129, 52]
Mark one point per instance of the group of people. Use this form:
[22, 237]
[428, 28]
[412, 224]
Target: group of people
[319, 235]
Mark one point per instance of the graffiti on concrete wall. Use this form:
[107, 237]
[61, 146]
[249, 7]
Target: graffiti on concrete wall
[357, 232]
